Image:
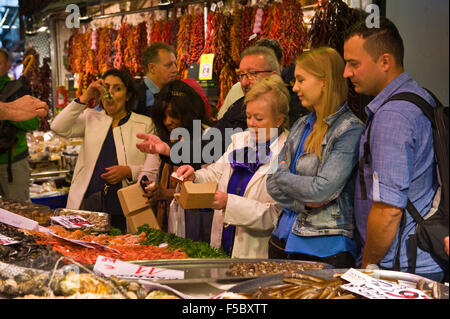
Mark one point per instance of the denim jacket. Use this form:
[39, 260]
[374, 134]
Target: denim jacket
[330, 181]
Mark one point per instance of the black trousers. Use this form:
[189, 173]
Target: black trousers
[340, 260]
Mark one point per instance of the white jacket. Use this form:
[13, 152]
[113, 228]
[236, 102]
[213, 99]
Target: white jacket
[75, 120]
[256, 214]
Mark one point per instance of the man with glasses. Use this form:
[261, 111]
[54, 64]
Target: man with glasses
[296, 110]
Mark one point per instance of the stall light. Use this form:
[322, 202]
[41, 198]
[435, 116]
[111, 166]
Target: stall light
[42, 29]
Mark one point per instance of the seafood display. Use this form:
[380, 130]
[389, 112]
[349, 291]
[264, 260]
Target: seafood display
[36, 212]
[27, 253]
[100, 221]
[263, 268]
[303, 286]
[124, 247]
[327, 284]
[30, 284]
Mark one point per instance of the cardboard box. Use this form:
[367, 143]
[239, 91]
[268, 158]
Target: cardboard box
[136, 211]
[196, 195]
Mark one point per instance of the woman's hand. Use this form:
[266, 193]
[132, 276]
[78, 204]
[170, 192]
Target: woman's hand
[155, 192]
[94, 91]
[115, 174]
[152, 144]
[186, 172]
[220, 200]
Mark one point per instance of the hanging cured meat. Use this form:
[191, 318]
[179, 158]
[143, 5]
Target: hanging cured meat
[183, 44]
[105, 47]
[197, 39]
[120, 44]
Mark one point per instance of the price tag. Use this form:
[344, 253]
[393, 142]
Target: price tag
[220, 4]
[71, 221]
[254, 35]
[206, 67]
[373, 288]
[213, 7]
[4, 240]
[9, 218]
[106, 266]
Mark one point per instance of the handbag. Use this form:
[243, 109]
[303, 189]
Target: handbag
[95, 202]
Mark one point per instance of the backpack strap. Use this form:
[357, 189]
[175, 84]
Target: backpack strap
[426, 108]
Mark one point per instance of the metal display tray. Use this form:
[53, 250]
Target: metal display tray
[105, 218]
[200, 270]
[253, 285]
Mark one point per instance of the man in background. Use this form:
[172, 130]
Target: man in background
[160, 65]
[296, 109]
[14, 166]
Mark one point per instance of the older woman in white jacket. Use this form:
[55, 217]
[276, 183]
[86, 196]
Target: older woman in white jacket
[244, 213]
[108, 159]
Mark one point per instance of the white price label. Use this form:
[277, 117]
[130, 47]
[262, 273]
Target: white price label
[106, 266]
[373, 288]
[9, 218]
[4, 240]
[71, 221]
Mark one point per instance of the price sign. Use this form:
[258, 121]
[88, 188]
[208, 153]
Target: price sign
[206, 67]
[9, 218]
[106, 266]
[4, 240]
[71, 221]
[373, 288]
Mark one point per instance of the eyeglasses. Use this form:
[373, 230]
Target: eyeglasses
[251, 75]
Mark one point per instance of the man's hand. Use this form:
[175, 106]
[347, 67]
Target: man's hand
[24, 108]
[446, 244]
[382, 227]
[116, 173]
[152, 144]
[220, 200]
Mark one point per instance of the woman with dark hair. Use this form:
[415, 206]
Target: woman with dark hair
[177, 106]
[108, 159]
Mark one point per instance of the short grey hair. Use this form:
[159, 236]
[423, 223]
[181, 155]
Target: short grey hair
[151, 53]
[269, 57]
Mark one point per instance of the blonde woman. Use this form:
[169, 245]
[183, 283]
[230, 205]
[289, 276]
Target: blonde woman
[244, 213]
[314, 182]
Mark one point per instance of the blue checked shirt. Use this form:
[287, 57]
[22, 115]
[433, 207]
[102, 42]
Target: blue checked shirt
[401, 165]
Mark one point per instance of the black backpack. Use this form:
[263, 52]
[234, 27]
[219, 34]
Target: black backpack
[434, 227]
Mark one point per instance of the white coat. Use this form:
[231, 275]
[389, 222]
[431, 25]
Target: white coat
[256, 214]
[75, 120]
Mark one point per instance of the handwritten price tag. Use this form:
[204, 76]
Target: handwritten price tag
[106, 266]
[4, 240]
[71, 221]
[373, 288]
